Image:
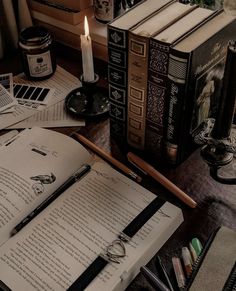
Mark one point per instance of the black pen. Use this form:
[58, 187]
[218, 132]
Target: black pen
[163, 273]
[153, 279]
[70, 181]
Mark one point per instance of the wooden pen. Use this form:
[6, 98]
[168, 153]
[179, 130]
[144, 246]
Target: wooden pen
[106, 156]
[148, 169]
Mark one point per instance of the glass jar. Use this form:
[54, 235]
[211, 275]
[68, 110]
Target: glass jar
[106, 10]
[38, 59]
[230, 7]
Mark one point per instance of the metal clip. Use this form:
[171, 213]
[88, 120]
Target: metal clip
[115, 251]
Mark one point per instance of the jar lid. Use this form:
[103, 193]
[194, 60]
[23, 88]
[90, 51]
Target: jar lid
[34, 36]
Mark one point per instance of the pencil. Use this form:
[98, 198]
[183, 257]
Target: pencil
[70, 181]
[145, 167]
[106, 156]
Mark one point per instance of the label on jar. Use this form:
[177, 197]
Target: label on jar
[104, 10]
[40, 65]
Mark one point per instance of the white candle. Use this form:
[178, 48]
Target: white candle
[87, 54]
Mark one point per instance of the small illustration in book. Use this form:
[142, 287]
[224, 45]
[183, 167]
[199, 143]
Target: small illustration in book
[208, 92]
[42, 180]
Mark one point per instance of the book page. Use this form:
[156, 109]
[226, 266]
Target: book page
[58, 245]
[32, 167]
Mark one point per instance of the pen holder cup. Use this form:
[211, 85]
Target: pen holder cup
[89, 101]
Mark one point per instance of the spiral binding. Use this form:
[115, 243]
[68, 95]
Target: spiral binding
[230, 284]
[197, 264]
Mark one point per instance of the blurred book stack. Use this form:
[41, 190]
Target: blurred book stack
[64, 19]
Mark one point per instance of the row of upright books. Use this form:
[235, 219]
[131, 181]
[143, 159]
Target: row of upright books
[165, 70]
[64, 19]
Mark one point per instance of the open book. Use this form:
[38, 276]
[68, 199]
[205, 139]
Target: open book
[57, 246]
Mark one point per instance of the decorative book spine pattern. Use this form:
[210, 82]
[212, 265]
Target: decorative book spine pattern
[137, 90]
[117, 78]
[156, 95]
[177, 73]
[177, 79]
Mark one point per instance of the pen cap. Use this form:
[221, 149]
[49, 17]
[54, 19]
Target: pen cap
[196, 245]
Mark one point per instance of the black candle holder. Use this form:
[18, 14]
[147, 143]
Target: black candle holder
[217, 153]
[88, 101]
[219, 135]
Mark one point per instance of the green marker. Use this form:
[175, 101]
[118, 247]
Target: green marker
[197, 245]
[193, 252]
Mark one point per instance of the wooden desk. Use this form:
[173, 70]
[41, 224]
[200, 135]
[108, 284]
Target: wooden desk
[216, 202]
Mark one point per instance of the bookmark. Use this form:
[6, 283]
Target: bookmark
[112, 254]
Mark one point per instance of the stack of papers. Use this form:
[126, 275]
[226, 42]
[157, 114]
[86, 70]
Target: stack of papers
[37, 103]
[7, 100]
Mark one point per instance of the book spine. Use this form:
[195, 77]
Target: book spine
[156, 95]
[117, 81]
[137, 89]
[176, 87]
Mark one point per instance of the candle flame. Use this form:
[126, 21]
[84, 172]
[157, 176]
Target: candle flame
[86, 27]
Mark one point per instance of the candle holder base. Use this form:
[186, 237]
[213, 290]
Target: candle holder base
[89, 101]
[217, 153]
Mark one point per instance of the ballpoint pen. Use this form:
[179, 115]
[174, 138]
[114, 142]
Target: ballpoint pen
[163, 273]
[153, 279]
[70, 181]
[148, 169]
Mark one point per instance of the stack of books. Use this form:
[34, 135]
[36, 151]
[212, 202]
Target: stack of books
[163, 55]
[65, 21]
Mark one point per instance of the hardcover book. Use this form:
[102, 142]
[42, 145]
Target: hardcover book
[71, 4]
[68, 16]
[139, 37]
[196, 68]
[118, 63]
[157, 76]
[57, 245]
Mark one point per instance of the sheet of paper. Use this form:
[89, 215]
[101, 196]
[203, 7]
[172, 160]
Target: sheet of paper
[7, 137]
[52, 116]
[20, 113]
[7, 82]
[63, 82]
[6, 99]
[34, 94]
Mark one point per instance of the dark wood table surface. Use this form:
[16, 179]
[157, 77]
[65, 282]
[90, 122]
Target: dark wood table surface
[216, 202]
